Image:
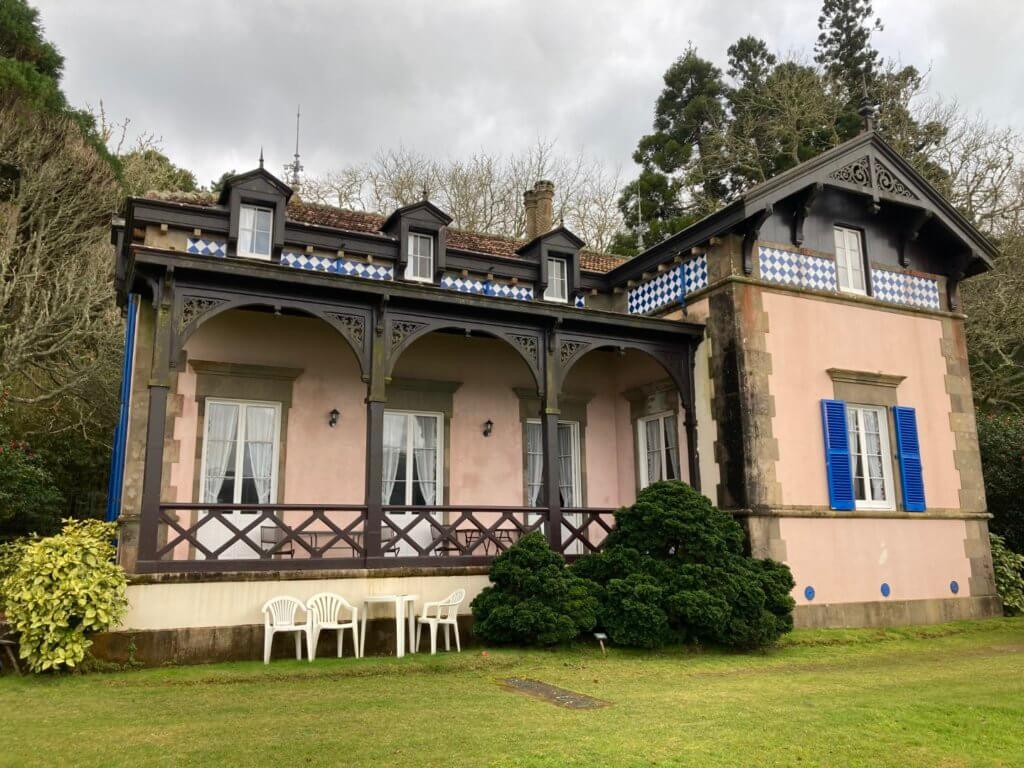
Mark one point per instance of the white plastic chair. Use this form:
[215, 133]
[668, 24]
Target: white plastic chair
[279, 616]
[324, 611]
[441, 613]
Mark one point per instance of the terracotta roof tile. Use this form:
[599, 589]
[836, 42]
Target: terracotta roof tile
[361, 221]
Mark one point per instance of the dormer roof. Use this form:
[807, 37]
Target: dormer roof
[559, 236]
[423, 206]
[256, 180]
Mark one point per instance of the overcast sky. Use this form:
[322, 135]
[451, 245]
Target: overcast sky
[218, 79]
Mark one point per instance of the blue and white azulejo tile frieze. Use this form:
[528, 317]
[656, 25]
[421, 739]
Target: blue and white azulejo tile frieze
[669, 287]
[796, 269]
[905, 288]
[337, 266]
[204, 246]
[487, 288]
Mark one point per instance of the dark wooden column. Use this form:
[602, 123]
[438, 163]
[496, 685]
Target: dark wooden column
[549, 426]
[376, 399]
[689, 397]
[159, 387]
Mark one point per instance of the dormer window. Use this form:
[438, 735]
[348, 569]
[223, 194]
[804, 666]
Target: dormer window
[558, 281]
[255, 229]
[850, 260]
[421, 258]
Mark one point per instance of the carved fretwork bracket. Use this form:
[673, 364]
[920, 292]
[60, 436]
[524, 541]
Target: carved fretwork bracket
[803, 210]
[401, 330]
[911, 233]
[353, 327]
[194, 308]
[751, 235]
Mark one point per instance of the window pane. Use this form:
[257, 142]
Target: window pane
[652, 434]
[425, 460]
[394, 490]
[221, 438]
[567, 464]
[671, 433]
[263, 220]
[534, 463]
[257, 468]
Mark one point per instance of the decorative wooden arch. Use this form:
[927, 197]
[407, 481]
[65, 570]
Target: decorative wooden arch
[402, 330]
[193, 308]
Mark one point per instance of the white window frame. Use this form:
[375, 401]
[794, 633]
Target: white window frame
[889, 503]
[410, 455]
[641, 433]
[845, 240]
[240, 447]
[416, 258]
[551, 292]
[245, 243]
[577, 468]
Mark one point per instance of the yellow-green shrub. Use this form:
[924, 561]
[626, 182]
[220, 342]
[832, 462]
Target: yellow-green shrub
[65, 588]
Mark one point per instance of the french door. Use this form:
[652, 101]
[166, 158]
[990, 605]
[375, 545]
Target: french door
[412, 472]
[241, 444]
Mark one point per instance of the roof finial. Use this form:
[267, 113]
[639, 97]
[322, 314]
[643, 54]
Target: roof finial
[639, 222]
[261, 156]
[294, 168]
[867, 107]
[425, 192]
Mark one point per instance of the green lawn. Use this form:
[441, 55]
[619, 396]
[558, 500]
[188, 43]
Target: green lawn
[928, 696]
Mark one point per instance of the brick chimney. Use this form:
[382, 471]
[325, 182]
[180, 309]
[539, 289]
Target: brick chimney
[530, 204]
[540, 208]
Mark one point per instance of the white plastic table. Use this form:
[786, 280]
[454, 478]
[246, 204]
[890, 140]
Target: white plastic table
[405, 606]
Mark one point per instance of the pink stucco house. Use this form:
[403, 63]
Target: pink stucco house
[318, 398]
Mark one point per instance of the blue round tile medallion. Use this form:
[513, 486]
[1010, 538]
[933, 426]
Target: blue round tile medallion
[809, 593]
[954, 587]
[885, 589]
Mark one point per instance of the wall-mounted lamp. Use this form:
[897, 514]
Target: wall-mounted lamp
[488, 428]
[332, 421]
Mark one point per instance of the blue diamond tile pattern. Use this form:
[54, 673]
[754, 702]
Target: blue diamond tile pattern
[336, 266]
[797, 269]
[669, 287]
[905, 288]
[487, 288]
[580, 302]
[204, 246]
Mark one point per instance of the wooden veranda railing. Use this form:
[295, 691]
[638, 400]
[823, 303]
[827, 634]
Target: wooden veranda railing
[253, 537]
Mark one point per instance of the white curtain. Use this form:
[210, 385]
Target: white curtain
[259, 451]
[425, 452]
[221, 434]
[873, 448]
[534, 463]
[653, 439]
[672, 447]
[566, 465]
[394, 447]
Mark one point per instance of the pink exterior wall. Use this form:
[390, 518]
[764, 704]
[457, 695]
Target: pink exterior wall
[846, 560]
[322, 464]
[325, 465]
[808, 337]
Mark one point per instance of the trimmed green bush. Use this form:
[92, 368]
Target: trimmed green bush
[1009, 570]
[673, 570]
[64, 589]
[533, 599]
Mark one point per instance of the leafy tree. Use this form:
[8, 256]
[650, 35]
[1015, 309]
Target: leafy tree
[534, 600]
[844, 43]
[145, 170]
[30, 66]
[29, 499]
[688, 115]
[1001, 440]
[673, 569]
[218, 184]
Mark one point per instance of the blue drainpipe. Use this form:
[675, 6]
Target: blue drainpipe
[116, 479]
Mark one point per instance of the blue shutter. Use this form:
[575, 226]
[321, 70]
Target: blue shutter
[837, 455]
[909, 450]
